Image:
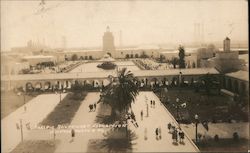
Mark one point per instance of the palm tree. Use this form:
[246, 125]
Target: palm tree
[120, 93]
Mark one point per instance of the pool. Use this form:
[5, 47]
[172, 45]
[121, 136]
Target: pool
[92, 67]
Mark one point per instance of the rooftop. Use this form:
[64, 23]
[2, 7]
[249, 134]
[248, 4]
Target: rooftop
[102, 75]
[37, 57]
[242, 75]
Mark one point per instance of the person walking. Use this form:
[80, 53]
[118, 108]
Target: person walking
[72, 135]
[169, 126]
[145, 134]
[141, 114]
[176, 135]
[156, 133]
[151, 103]
[159, 132]
[154, 104]
[181, 136]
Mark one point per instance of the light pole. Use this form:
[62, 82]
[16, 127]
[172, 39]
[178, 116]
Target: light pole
[60, 95]
[21, 126]
[196, 117]
[177, 107]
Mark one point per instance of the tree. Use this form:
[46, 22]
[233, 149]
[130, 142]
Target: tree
[181, 57]
[120, 94]
[74, 57]
[174, 61]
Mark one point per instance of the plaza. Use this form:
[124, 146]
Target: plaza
[129, 76]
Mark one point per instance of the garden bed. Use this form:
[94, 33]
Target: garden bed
[65, 110]
[214, 108]
[11, 101]
[224, 145]
[37, 146]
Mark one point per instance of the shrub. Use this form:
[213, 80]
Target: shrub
[235, 136]
[216, 138]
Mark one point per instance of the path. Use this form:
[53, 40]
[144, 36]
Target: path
[82, 117]
[158, 117]
[37, 109]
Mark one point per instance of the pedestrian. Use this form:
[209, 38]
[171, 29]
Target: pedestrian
[145, 134]
[133, 116]
[159, 132]
[141, 114]
[72, 135]
[181, 134]
[151, 103]
[156, 133]
[90, 107]
[154, 104]
[176, 135]
[136, 124]
[95, 106]
[169, 126]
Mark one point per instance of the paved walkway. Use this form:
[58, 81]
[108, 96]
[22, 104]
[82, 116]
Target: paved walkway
[36, 110]
[82, 117]
[158, 117]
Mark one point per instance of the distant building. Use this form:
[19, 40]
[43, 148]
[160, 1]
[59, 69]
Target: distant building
[108, 41]
[226, 61]
[226, 45]
[34, 60]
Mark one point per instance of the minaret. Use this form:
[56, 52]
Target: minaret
[108, 41]
[226, 45]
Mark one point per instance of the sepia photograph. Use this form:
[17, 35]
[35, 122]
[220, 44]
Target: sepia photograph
[100, 76]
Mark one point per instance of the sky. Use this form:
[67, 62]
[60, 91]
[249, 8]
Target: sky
[83, 23]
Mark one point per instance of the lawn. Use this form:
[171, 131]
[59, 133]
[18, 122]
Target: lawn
[64, 112]
[224, 145]
[215, 108]
[10, 101]
[36, 146]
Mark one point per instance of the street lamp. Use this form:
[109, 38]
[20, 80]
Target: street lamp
[177, 107]
[196, 117]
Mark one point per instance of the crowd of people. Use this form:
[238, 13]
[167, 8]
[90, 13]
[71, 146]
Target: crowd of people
[177, 134]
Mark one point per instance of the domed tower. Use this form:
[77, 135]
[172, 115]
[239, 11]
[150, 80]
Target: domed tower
[108, 41]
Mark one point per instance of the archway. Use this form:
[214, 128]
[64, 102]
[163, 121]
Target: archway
[136, 56]
[236, 86]
[38, 85]
[243, 88]
[47, 85]
[29, 86]
[229, 84]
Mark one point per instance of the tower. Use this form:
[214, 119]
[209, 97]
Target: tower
[108, 41]
[226, 45]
